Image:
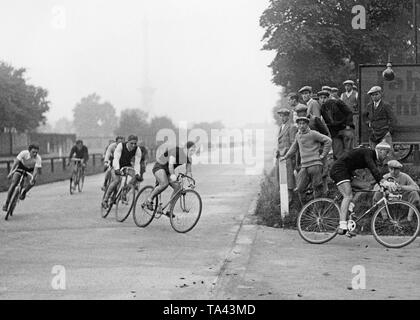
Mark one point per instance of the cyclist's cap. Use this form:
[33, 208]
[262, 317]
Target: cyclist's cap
[323, 93]
[350, 82]
[79, 142]
[375, 89]
[394, 164]
[305, 88]
[132, 137]
[283, 111]
[326, 88]
[302, 119]
[301, 108]
[383, 145]
[119, 138]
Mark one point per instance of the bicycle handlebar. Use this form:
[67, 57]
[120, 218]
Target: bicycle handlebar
[23, 172]
[76, 159]
[181, 175]
[124, 170]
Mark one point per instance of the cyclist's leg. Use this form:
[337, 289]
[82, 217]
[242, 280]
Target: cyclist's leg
[113, 184]
[163, 182]
[13, 184]
[28, 186]
[345, 189]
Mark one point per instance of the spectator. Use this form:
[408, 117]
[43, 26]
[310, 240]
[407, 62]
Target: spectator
[334, 93]
[313, 106]
[405, 186]
[339, 119]
[350, 96]
[380, 118]
[326, 88]
[286, 137]
[294, 104]
[308, 143]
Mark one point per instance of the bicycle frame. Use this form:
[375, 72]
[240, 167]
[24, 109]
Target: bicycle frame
[180, 177]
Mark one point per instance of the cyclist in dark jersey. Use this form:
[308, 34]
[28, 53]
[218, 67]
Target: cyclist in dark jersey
[79, 151]
[167, 160]
[342, 173]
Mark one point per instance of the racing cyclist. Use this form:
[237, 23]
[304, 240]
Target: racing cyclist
[109, 157]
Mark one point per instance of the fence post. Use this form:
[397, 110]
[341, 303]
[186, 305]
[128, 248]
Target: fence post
[52, 164]
[93, 160]
[284, 194]
[64, 163]
[8, 167]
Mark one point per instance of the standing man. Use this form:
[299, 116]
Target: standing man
[380, 118]
[286, 138]
[308, 143]
[350, 96]
[334, 93]
[339, 119]
[405, 186]
[313, 106]
[294, 104]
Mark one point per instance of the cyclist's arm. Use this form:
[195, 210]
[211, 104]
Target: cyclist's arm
[188, 167]
[117, 156]
[171, 163]
[108, 152]
[137, 159]
[38, 165]
[72, 151]
[374, 169]
[14, 166]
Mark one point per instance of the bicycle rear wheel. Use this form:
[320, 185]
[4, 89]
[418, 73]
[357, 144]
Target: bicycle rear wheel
[124, 203]
[141, 215]
[13, 202]
[185, 211]
[392, 228]
[318, 220]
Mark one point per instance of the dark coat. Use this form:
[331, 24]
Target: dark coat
[380, 121]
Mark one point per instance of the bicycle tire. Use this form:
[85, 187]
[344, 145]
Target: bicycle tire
[73, 181]
[80, 180]
[123, 210]
[398, 232]
[322, 232]
[13, 203]
[141, 212]
[175, 218]
[105, 211]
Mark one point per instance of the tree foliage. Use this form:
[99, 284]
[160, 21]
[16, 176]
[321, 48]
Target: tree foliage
[93, 118]
[64, 125]
[22, 106]
[133, 121]
[315, 42]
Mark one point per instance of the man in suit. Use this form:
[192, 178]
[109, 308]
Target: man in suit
[286, 137]
[380, 118]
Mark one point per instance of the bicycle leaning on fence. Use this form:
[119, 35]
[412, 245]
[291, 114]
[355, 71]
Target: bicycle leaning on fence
[77, 178]
[184, 206]
[395, 222]
[16, 193]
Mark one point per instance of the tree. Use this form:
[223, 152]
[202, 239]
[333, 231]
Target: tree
[45, 128]
[156, 124]
[317, 45]
[64, 125]
[93, 118]
[22, 106]
[133, 121]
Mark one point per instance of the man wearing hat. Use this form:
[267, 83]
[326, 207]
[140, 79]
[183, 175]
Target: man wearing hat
[350, 96]
[405, 186]
[308, 143]
[339, 119]
[334, 93]
[315, 123]
[380, 118]
[293, 104]
[286, 137]
[342, 174]
[313, 106]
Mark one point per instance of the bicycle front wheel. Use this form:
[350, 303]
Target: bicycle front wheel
[141, 215]
[124, 203]
[185, 211]
[318, 220]
[396, 226]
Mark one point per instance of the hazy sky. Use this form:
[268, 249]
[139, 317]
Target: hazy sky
[204, 57]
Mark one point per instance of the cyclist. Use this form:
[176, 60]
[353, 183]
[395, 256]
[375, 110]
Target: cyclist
[123, 154]
[167, 160]
[27, 160]
[342, 171]
[79, 151]
[109, 157]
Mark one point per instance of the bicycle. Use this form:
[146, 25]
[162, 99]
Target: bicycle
[77, 178]
[318, 220]
[16, 193]
[122, 196]
[181, 213]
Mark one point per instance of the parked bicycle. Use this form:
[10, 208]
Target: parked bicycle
[77, 178]
[18, 189]
[395, 222]
[184, 206]
[122, 197]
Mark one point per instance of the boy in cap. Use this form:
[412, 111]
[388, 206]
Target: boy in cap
[308, 143]
[313, 106]
[342, 173]
[334, 93]
[405, 186]
[380, 118]
[350, 96]
[286, 137]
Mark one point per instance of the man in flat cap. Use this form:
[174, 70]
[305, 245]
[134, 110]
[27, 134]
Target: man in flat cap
[339, 120]
[308, 143]
[380, 118]
[350, 96]
[334, 93]
[294, 102]
[286, 137]
[405, 186]
[313, 106]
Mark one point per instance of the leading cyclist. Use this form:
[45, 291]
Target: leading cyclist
[342, 172]
[79, 151]
[27, 160]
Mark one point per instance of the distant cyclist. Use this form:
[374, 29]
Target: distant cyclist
[27, 160]
[342, 172]
[109, 157]
[79, 151]
[123, 155]
[167, 160]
